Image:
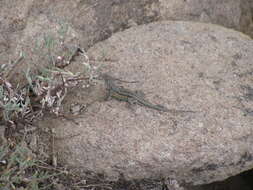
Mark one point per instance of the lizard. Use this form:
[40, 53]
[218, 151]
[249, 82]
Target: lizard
[123, 94]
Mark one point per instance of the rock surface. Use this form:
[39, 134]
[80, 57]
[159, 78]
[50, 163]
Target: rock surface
[182, 65]
[234, 14]
[40, 44]
[97, 20]
[144, 134]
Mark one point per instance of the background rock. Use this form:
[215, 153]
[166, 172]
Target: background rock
[97, 20]
[40, 43]
[13, 19]
[184, 66]
[234, 14]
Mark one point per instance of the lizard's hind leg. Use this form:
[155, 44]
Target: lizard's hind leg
[140, 93]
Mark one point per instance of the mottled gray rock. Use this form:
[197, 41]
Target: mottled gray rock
[182, 65]
[234, 14]
[40, 44]
[13, 19]
[24, 22]
[97, 20]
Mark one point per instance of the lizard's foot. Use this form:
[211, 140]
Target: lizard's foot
[130, 103]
